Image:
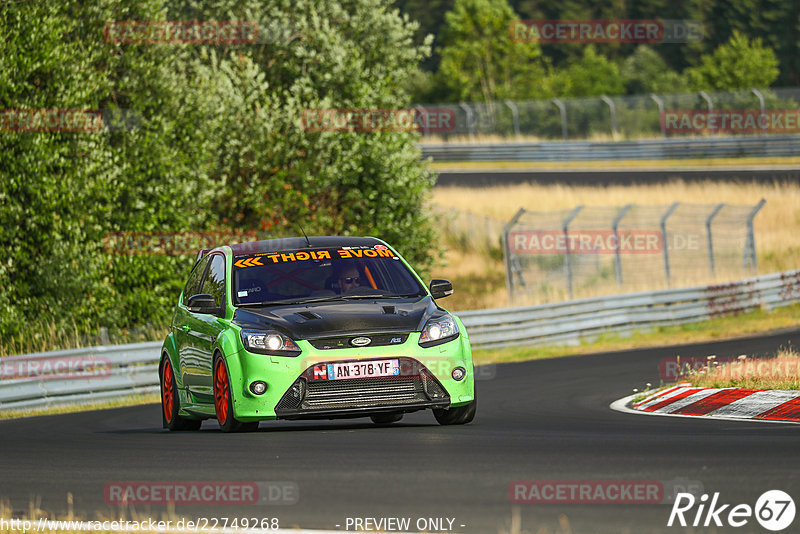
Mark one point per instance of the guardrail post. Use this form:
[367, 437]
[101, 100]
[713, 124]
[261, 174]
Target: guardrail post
[514, 115]
[617, 257]
[709, 236]
[508, 255]
[563, 109]
[750, 259]
[613, 109]
[763, 107]
[661, 119]
[664, 246]
[567, 265]
[470, 118]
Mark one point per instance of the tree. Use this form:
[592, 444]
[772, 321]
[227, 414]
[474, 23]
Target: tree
[590, 75]
[645, 71]
[738, 64]
[480, 61]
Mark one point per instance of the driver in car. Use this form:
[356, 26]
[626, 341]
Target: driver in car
[348, 279]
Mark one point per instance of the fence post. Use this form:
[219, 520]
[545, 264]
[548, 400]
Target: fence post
[613, 109]
[567, 265]
[750, 242]
[709, 237]
[617, 257]
[661, 118]
[763, 108]
[664, 248]
[563, 109]
[507, 254]
[514, 115]
[710, 104]
[470, 118]
[423, 113]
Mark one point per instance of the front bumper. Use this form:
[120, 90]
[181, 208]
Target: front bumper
[293, 393]
[414, 388]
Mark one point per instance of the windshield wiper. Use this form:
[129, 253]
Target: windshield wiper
[287, 302]
[381, 296]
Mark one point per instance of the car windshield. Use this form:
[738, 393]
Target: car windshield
[310, 275]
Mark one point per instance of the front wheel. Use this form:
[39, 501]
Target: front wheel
[170, 404]
[223, 402]
[460, 415]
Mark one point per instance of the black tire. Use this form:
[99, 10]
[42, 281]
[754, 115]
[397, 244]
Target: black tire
[223, 401]
[460, 415]
[383, 419]
[170, 402]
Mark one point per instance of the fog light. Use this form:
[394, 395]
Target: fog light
[258, 387]
[459, 373]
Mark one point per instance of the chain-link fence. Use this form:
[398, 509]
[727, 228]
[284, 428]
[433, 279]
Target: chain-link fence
[630, 117]
[553, 255]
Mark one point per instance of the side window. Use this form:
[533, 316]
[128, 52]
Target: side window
[193, 284]
[214, 283]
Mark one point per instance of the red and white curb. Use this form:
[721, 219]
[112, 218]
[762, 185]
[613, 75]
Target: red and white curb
[685, 400]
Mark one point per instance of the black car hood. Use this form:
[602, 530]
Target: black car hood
[328, 319]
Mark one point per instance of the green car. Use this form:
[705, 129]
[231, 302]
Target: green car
[312, 328]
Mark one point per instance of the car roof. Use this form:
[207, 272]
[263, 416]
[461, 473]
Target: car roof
[295, 243]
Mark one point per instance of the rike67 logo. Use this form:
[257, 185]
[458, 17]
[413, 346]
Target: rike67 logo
[774, 510]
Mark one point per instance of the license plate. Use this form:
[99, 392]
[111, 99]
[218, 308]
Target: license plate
[370, 369]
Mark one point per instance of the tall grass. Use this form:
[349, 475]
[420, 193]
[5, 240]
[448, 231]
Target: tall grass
[776, 227]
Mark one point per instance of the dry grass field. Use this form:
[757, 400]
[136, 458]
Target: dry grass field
[479, 276]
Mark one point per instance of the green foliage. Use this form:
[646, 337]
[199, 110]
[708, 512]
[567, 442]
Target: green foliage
[591, 75]
[219, 145]
[480, 62]
[645, 71]
[738, 64]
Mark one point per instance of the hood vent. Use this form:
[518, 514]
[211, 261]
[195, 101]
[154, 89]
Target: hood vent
[308, 315]
[388, 310]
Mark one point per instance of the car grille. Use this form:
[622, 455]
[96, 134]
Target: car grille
[307, 395]
[343, 342]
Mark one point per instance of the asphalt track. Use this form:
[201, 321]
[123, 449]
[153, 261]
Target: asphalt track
[613, 176]
[538, 420]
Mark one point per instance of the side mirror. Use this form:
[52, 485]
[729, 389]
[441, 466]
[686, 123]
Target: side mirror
[202, 303]
[441, 288]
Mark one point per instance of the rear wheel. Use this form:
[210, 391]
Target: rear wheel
[460, 415]
[170, 404]
[383, 419]
[223, 402]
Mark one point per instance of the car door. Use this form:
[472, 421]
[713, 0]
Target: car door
[182, 318]
[202, 332]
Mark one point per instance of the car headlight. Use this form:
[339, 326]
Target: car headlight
[269, 342]
[439, 330]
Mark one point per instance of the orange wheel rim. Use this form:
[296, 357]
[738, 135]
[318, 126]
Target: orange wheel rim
[167, 392]
[222, 393]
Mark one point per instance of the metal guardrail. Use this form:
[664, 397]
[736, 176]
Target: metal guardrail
[572, 321]
[133, 369]
[560, 151]
[78, 376]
